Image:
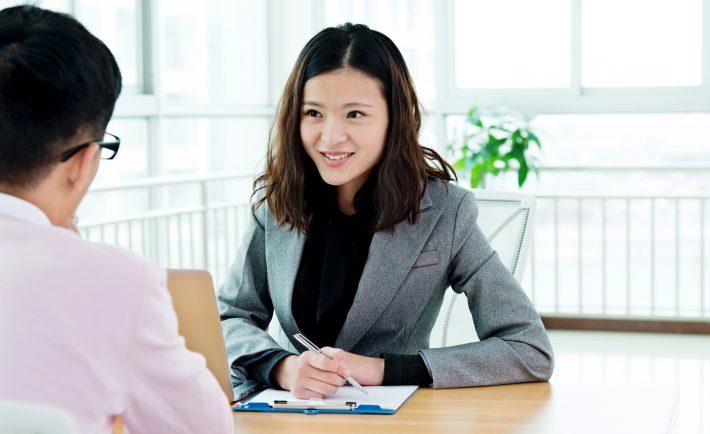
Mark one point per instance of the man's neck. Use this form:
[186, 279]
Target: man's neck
[12, 191]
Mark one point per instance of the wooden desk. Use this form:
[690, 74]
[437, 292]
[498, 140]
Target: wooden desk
[520, 408]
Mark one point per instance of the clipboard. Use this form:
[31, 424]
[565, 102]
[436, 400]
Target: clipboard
[348, 400]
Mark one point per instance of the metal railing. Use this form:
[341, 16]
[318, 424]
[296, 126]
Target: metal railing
[606, 255]
[204, 233]
[621, 255]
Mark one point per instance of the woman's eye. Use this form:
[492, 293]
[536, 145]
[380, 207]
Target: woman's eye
[355, 114]
[312, 113]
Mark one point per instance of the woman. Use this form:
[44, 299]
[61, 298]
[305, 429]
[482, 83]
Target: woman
[356, 235]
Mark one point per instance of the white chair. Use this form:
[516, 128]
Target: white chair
[17, 417]
[506, 219]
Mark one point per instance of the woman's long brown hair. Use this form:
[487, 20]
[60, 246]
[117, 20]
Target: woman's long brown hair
[405, 167]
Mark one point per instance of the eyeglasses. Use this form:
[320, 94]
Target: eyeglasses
[108, 147]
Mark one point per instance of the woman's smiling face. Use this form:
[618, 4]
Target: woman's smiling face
[344, 123]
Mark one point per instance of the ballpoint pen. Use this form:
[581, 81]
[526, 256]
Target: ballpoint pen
[313, 347]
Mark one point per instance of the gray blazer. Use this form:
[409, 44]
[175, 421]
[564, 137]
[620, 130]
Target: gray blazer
[398, 298]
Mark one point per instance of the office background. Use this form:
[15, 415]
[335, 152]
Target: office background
[619, 92]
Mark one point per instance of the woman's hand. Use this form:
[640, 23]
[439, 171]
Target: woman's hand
[368, 371]
[311, 375]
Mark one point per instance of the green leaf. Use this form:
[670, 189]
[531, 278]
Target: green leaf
[516, 153]
[459, 164]
[476, 175]
[516, 137]
[495, 142]
[500, 128]
[472, 117]
[534, 138]
[488, 165]
[522, 175]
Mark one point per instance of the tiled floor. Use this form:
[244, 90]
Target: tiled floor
[680, 360]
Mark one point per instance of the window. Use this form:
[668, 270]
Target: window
[115, 22]
[131, 162]
[579, 56]
[609, 140]
[194, 145]
[636, 43]
[196, 95]
[512, 44]
[216, 52]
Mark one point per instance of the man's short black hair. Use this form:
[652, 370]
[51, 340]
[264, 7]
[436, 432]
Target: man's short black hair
[56, 78]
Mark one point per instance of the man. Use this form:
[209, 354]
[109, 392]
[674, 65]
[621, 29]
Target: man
[83, 326]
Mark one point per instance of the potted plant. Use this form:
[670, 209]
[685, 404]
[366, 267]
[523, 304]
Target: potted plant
[494, 142]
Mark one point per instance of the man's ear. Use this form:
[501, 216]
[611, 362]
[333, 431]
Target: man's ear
[85, 168]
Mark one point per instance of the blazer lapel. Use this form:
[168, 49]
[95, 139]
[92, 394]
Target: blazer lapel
[389, 261]
[283, 256]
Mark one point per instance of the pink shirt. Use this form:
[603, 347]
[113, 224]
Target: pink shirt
[90, 328]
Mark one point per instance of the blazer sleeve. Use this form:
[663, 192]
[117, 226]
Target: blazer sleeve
[514, 346]
[244, 301]
[169, 388]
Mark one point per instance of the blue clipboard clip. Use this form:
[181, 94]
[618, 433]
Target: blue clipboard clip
[315, 405]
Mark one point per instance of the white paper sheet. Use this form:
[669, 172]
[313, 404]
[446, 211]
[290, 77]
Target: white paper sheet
[387, 397]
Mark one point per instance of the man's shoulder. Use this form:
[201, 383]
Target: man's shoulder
[61, 251]
[118, 262]
[101, 252]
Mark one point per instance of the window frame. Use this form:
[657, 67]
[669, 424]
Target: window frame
[575, 98]
[147, 102]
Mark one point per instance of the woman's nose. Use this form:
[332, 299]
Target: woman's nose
[333, 132]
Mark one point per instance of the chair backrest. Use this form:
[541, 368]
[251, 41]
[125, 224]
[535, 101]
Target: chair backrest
[195, 305]
[507, 221]
[18, 417]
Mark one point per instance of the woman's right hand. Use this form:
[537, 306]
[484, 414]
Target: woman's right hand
[310, 375]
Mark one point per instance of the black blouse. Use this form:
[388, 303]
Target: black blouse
[334, 256]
